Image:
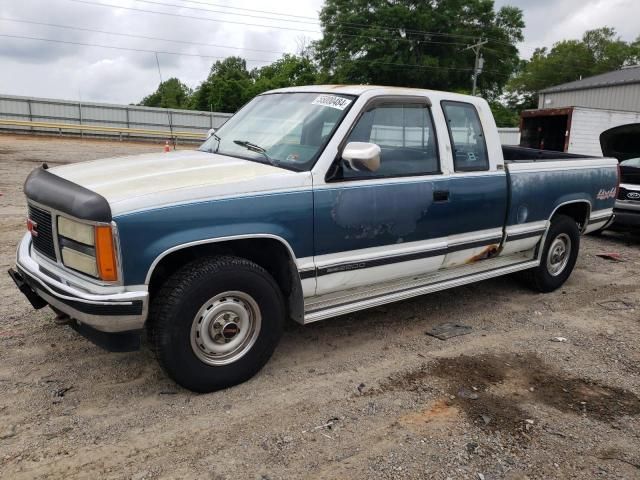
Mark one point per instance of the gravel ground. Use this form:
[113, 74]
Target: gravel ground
[368, 395]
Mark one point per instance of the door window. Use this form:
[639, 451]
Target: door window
[467, 137]
[406, 138]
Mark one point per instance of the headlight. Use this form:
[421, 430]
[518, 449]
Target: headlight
[87, 248]
[79, 261]
[80, 232]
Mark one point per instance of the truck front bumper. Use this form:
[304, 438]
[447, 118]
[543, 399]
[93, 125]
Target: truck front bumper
[627, 214]
[102, 308]
[627, 218]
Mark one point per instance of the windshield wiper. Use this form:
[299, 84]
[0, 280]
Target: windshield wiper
[256, 148]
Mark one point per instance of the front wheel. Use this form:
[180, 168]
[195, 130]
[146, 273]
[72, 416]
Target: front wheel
[559, 255]
[216, 322]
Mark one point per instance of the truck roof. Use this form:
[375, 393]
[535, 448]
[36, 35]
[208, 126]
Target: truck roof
[379, 89]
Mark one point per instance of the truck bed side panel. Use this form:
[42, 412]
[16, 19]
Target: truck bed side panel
[539, 188]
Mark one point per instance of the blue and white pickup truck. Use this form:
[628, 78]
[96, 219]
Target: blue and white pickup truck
[309, 203]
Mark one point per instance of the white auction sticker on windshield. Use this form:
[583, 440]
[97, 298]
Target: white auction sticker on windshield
[332, 101]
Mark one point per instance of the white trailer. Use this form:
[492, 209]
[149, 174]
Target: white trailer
[570, 129]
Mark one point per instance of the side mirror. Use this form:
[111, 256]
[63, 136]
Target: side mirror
[362, 156]
[211, 132]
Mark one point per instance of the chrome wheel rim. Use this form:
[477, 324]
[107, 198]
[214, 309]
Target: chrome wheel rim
[225, 328]
[559, 253]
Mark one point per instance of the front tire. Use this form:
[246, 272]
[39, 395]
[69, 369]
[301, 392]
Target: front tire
[216, 322]
[559, 255]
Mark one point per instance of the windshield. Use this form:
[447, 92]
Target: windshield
[283, 129]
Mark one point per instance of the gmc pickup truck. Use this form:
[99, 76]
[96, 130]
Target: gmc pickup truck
[309, 203]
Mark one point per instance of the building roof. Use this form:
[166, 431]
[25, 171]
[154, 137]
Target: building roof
[623, 76]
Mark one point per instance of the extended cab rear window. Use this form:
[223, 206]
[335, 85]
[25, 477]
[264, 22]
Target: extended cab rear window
[467, 137]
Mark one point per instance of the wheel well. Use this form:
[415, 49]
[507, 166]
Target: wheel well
[269, 253]
[579, 211]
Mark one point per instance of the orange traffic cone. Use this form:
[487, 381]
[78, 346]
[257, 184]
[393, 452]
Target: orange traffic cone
[167, 148]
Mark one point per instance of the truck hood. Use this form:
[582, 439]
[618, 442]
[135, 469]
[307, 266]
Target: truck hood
[140, 182]
[622, 142]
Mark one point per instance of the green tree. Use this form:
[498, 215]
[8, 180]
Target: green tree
[418, 43]
[289, 71]
[228, 87]
[598, 51]
[503, 114]
[171, 93]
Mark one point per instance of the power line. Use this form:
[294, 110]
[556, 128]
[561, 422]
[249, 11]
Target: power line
[298, 20]
[279, 27]
[193, 17]
[113, 47]
[141, 50]
[314, 19]
[145, 37]
[155, 51]
[131, 35]
[248, 9]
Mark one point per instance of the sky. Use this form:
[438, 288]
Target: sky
[207, 30]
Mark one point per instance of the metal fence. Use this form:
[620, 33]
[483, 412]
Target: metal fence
[44, 115]
[128, 121]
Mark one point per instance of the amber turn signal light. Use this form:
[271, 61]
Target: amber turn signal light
[106, 254]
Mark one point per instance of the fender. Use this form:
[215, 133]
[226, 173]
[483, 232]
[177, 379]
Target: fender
[295, 299]
[543, 240]
[569, 202]
[182, 246]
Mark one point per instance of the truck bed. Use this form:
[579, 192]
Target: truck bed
[516, 154]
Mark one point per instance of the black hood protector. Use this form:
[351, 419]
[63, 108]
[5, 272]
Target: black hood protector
[60, 194]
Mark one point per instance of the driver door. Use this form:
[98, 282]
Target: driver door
[390, 223]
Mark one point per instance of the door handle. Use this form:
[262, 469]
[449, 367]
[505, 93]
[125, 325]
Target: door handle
[441, 196]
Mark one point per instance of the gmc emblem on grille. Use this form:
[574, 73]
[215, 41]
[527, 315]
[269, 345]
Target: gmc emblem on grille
[634, 195]
[31, 226]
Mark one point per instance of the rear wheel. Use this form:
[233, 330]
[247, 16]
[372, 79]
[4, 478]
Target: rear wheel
[216, 322]
[559, 255]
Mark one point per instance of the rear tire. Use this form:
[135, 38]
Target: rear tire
[558, 257]
[216, 322]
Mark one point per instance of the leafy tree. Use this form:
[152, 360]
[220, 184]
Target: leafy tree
[504, 115]
[418, 43]
[171, 93]
[289, 71]
[598, 51]
[228, 87]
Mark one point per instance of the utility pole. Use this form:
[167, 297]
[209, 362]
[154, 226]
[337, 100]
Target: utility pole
[479, 63]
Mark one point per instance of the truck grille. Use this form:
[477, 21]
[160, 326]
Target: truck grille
[624, 194]
[43, 241]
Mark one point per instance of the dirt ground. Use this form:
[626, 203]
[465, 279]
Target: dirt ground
[368, 395]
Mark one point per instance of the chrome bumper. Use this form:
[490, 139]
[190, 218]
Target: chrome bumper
[104, 308]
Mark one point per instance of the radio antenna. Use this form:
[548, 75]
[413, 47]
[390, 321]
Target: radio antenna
[173, 140]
